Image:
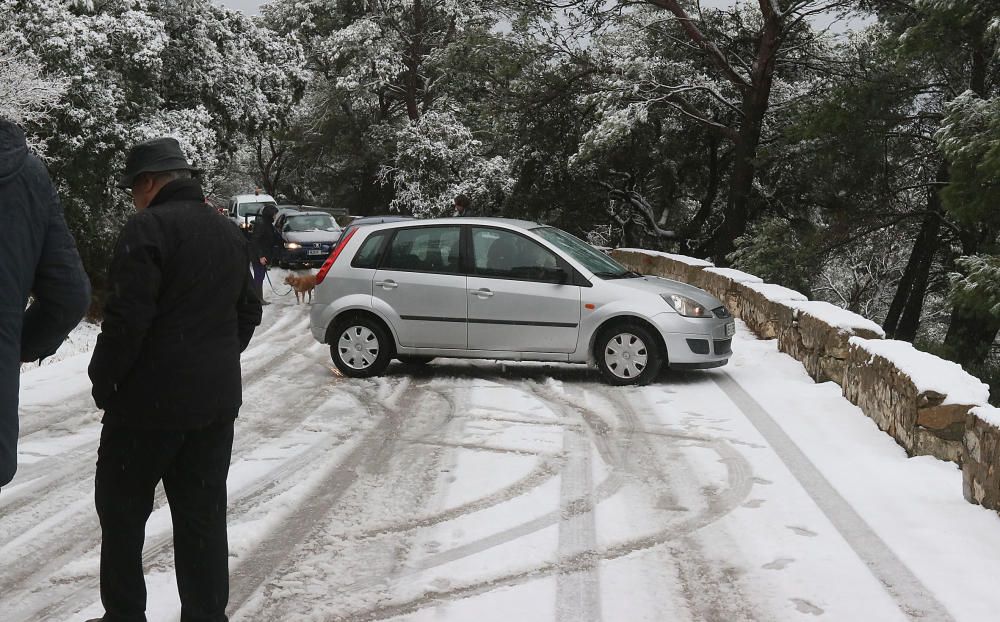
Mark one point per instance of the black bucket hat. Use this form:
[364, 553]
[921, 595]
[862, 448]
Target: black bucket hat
[154, 156]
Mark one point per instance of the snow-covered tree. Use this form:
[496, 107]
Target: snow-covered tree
[134, 68]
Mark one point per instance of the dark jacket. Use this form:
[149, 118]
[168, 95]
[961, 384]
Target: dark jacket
[37, 255]
[265, 239]
[179, 313]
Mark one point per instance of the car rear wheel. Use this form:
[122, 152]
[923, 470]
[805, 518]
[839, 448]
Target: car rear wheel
[361, 348]
[411, 359]
[627, 354]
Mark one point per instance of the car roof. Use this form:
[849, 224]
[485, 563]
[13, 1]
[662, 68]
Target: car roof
[254, 198]
[377, 220]
[526, 225]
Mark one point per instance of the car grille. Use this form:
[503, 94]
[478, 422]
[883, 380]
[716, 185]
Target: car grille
[723, 346]
[722, 313]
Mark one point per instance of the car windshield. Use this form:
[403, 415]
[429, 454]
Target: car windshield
[252, 209]
[592, 259]
[311, 222]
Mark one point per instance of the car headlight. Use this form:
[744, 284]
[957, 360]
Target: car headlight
[685, 306]
[292, 245]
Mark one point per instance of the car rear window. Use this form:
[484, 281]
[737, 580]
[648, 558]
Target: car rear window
[370, 251]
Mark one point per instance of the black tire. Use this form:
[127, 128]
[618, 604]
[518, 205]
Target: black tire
[619, 350]
[412, 359]
[351, 347]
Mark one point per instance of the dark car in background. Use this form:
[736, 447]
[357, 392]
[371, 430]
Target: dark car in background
[361, 221]
[307, 238]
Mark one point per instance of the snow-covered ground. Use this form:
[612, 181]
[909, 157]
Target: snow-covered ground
[489, 492]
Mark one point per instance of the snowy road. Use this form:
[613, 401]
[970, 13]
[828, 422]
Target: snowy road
[480, 491]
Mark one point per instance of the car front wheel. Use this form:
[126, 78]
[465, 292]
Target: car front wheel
[627, 354]
[361, 348]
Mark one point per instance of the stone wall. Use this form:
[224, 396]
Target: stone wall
[830, 344]
[920, 420]
[981, 457]
[821, 347]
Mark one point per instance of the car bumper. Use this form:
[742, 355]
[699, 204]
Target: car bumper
[302, 256]
[696, 343]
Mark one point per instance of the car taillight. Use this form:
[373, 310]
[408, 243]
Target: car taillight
[333, 256]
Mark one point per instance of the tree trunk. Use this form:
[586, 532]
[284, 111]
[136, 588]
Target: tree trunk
[755, 104]
[910, 321]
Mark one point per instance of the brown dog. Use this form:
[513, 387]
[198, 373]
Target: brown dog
[302, 285]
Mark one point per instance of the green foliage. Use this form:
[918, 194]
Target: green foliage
[970, 139]
[778, 252]
[978, 284]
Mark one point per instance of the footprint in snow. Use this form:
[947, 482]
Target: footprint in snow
[804, 606]
[779, 564]
[802, 531]
[762, 481]
[754, 503]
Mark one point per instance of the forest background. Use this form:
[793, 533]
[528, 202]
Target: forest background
[858, 166]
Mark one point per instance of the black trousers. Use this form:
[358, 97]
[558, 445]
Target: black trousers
[193, 465]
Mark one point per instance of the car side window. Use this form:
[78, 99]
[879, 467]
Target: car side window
[505, 255]
[369, 253]
[425, 249]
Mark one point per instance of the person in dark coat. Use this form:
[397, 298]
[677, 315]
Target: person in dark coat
[463, 206]
[166, 372]
[264, 241]
[38, 256]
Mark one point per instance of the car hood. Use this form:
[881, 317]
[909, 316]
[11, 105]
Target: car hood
[310, 237]
[659, 285]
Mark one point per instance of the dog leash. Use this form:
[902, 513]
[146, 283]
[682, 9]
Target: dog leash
[268, 277]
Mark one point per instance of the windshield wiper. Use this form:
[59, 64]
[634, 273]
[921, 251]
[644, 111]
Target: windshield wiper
[628, 274]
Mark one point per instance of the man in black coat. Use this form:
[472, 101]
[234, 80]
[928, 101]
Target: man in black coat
[264, 243]
[166, 372]
[37, 256]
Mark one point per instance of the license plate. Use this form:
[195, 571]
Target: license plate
[730, 329]
[316, 252]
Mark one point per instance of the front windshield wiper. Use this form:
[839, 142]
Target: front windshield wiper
[628, 274]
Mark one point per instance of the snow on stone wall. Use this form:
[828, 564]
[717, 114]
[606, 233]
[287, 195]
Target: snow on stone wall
[928, 405]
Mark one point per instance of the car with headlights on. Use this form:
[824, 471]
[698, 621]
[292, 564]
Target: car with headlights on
[486, 288]
[306, 238]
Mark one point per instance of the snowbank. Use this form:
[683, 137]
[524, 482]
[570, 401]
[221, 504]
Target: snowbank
[684, 259]
[81, 340]
[775, 293]
[928, 373]
[838, 318]
[737, 276]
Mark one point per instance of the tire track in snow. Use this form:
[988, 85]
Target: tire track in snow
[69, 468]
[578, 595]
[613, 444]
[369, 459]
[711, 593]
[37, 417]
[910, 594]
[55, 547]
[59, 551]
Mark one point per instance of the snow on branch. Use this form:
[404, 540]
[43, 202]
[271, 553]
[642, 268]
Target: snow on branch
[26, 95]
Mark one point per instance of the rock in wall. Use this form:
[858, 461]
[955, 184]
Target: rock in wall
[981, 458]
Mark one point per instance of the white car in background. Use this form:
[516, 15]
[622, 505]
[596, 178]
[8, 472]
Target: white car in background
[505, 289]
[244, 208]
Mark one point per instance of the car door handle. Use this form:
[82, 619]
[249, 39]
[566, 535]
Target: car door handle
[482, 293]
[387, 284]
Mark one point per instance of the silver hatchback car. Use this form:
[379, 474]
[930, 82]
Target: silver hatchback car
[504, 289]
